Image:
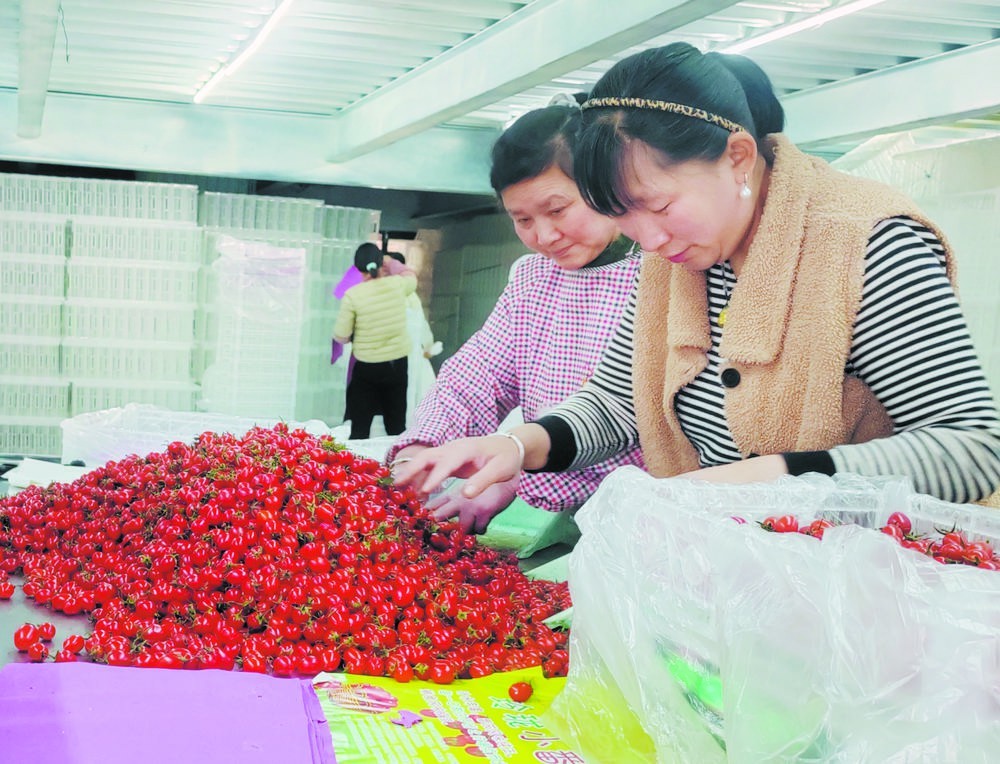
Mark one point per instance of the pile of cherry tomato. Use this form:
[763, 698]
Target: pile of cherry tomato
[273, 552]
[947, 546]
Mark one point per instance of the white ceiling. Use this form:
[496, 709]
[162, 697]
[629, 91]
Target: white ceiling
[411, 93]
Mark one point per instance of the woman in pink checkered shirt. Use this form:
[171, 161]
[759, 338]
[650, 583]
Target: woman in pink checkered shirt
[549, 328]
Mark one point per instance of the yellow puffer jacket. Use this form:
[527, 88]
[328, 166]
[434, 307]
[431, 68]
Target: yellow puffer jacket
[373, 316]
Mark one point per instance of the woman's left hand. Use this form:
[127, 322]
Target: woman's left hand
[757, 469]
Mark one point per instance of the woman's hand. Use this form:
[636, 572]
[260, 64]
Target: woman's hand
[483, 461]
[474, 515]
[757, 469]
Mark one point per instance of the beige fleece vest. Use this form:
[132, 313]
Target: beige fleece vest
[789, 325]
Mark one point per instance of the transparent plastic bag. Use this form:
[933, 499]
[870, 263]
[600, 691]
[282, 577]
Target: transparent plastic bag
[728, 643]
[258, 305]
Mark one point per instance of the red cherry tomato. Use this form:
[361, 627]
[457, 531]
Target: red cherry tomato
[783, 524]
[46, 632]
[520, 691]
[893, 530]
[25, 636]
[901, 521]
[37, 652]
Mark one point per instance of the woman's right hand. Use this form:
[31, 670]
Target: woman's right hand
[483, 461]
[473, 515]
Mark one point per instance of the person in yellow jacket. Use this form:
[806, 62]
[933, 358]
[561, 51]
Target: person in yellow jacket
[372, 317]
[788, 318]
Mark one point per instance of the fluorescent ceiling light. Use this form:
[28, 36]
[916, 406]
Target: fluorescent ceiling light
[789, 29]
[263, 32]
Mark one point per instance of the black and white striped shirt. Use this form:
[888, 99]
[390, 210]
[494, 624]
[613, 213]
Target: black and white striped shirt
[911, 346]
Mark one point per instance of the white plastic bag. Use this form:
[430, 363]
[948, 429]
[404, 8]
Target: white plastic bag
[699, 639]
[97, 437]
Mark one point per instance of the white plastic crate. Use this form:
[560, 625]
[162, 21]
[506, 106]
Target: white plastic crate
[270, 213]
[31, 316]
[34, 396]
[127, 360]
[29, 356]
[99, 394]
[321, 401]
[206, 323]
[201, 358]
[315, 367]
[30, 436]
[258, 337]
[337, 257]
[128, 199]
[36, 194]
[32, 234]
[317, 327]
[32, 275]
[136, 240]
[104, 278]
[319, 293]
[351, 224]
[129, 320]
[172, 201]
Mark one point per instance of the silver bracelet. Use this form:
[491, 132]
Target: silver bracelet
[520, 447]
[400, 460]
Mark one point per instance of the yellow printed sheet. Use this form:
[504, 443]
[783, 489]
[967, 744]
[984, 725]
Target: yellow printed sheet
[472, 721]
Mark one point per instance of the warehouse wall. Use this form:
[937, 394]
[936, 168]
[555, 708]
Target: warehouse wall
[470, 264]
[958, 186]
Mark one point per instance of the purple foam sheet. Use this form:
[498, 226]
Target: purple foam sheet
[77, 713]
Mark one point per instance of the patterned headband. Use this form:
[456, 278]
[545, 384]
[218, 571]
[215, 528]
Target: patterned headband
[673, 108]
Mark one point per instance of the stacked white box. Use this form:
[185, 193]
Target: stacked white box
[33, 396]
[132, 292]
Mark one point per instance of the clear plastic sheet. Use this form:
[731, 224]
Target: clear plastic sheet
[259, 299]
[97, 437]
[699, 639]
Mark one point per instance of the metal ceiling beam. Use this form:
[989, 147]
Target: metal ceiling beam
[544, 40]
[943, 88]
[36, 39]
[177, 138]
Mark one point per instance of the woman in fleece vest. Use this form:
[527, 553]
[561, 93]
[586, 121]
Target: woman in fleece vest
[788, 318]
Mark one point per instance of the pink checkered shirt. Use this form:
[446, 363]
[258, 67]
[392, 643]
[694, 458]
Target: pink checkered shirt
[543, 339]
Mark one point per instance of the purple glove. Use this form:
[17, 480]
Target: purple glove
[474, 515]
[336, 351]
[351, 278]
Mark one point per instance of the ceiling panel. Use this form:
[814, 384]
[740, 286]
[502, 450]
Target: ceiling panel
[373, 66]
[879, 37]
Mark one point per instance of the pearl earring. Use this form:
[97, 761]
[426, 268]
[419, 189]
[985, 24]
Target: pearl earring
[745, 190]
